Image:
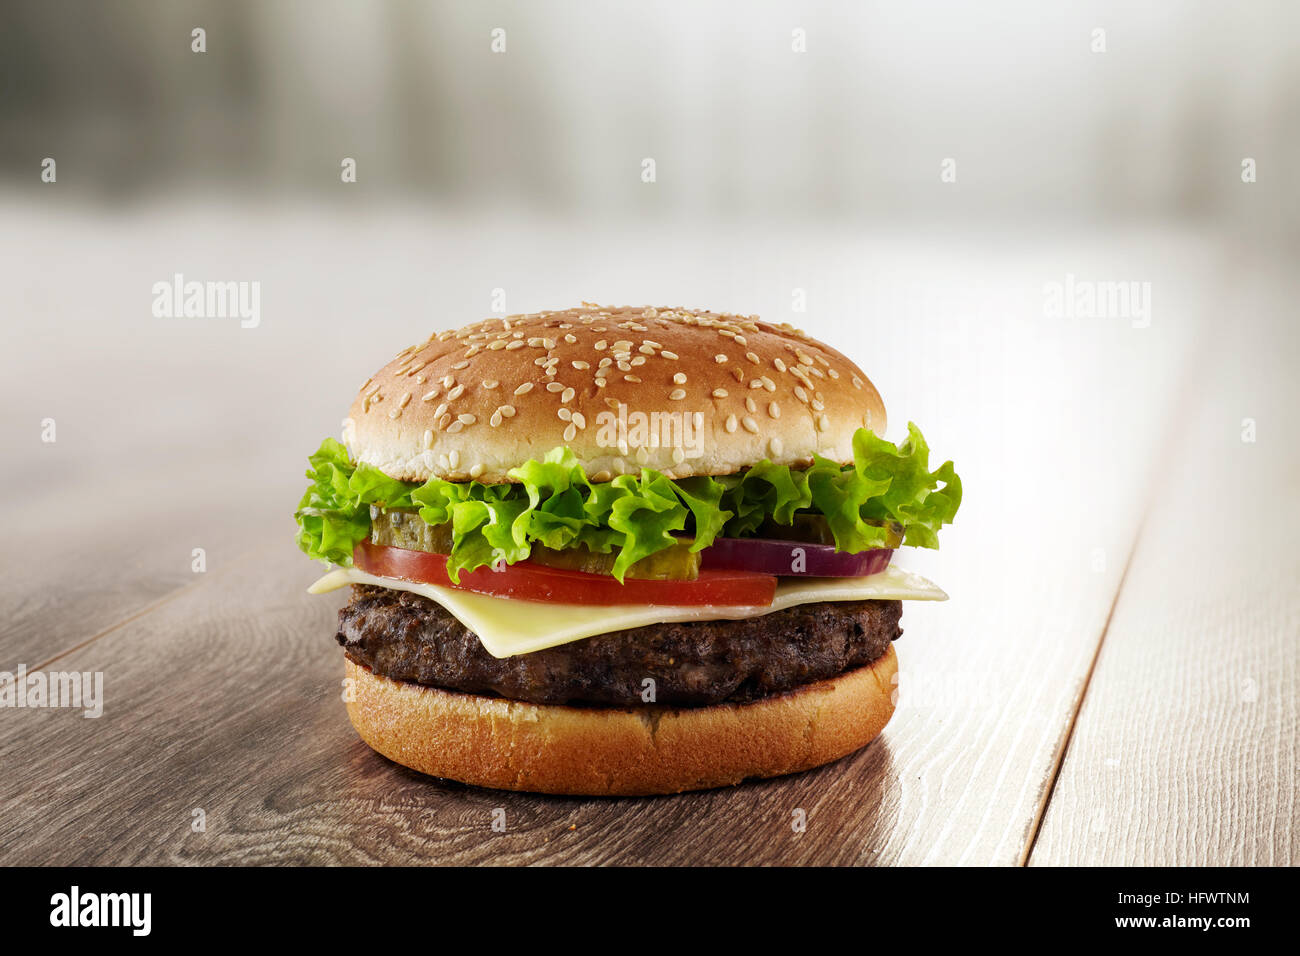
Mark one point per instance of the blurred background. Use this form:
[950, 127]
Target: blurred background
[1148, 122]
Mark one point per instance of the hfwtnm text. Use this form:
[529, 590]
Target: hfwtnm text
[102, 909]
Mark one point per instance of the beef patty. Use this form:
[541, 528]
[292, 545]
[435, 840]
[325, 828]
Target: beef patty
[694, 664]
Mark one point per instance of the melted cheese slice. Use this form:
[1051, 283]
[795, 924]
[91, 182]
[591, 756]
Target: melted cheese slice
[508, 627]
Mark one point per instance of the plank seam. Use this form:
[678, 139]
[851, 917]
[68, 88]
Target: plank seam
[146, 610]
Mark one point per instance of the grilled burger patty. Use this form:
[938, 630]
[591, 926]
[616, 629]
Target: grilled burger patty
[407, 637]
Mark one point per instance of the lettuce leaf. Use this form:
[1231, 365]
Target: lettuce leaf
[554, 504]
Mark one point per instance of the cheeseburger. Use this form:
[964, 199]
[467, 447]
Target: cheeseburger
[620, 551]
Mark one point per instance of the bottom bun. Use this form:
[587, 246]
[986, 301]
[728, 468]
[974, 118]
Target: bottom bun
[512, 745]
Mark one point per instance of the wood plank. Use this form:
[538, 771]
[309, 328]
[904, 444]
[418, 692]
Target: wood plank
[1185, 749]
[202, 689]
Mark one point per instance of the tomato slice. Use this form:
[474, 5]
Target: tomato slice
[526, 581]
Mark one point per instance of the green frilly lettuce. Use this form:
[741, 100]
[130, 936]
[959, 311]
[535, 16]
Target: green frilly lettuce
[554, 504]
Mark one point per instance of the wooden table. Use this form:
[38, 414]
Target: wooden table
[1113, 681]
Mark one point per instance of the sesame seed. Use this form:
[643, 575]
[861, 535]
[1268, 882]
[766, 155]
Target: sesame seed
[524, 389]
[755, 383]
[466, 419]
[406, 400]
[606, 362]
[801, 394]
[719, 393]
[555, 386]
[752, 357]
[768, 383]
[740, 340]
[570, 432]
[476, 470]
[642, 455]
[456, 392]
[601, 345]
[816, 371]
[443, 420]
[461, 364]
[750, 425]
[669, 355]
[624, 366]
[738, 374]
[775, 446]
[448, 381]
[600, 383]
[832, 373]
[720, 358]
[453, 457]
[750, 404]
[516, 344]
[680, 378]
[774, 410]
[490, 383]
[804, 358]
[431, 395]
[507, 410]
[496, 344]
[731, 423]
[440, 410]
[823, 423]
[612, 403]
[780, 366]
[495, 420]
[581, 366]
[601, 476]
[565, 415]
[635, 380]
[567, 396]
[394, 413]
[579, 419]
[679, 456]
[817, 406]
[456, 426]
[677, 394]
[428, 438]
[653, 344]
[857, 382]
[646, 349]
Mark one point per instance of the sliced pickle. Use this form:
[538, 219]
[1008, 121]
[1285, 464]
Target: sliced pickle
[674, 563]
[406, 529]
[815, 529]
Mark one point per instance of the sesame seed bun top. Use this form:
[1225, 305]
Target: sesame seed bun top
[682, 391]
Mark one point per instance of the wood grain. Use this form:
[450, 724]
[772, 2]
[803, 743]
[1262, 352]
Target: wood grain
[1185, 749]
[224, 695]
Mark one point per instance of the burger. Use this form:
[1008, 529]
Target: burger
[619, 551]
